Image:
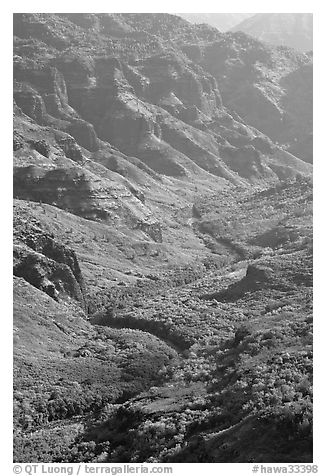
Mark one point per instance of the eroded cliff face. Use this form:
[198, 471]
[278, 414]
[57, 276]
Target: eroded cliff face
[142, 99]
[142, 144]
[46, 263]
[56, 170]
[269, 87]
[81, 193]
[124, 119]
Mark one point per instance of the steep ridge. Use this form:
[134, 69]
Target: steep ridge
[150, 192]
[255, 81]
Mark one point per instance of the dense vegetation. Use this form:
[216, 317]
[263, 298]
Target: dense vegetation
[162, 243]
[240, 359]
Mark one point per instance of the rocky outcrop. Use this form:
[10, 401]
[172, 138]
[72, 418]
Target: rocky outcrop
[47, 264]
[54, 278]
[69, 147]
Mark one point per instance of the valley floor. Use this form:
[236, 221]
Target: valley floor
[204, 363]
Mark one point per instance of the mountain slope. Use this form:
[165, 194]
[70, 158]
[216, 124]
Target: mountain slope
[221, 21]
[288, 29]
[162, 201]
[268, 87]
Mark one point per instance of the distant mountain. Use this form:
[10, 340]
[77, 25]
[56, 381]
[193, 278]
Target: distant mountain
[222, 21]
[289, 29]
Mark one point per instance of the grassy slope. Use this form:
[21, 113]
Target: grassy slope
[173, 312]
[65, 368]
[245, 343]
